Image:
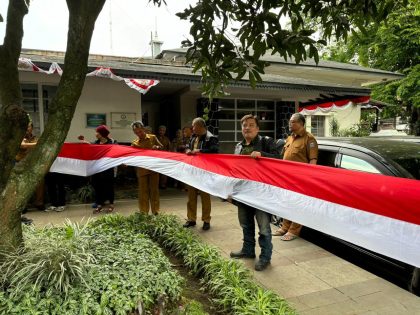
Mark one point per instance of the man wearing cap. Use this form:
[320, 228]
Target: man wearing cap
[148, 180]
[202, 141]
[300, 146]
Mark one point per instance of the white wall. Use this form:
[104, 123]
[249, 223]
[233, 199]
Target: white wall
[99, 95]
[348, 117]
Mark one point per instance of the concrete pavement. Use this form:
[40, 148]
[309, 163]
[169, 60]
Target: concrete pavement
[313, 280]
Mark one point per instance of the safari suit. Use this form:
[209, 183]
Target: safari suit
[206, 143]
[299, 148]
[148, 180]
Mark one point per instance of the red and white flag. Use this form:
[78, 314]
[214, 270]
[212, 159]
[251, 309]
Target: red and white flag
[377, 212]
[140, 85]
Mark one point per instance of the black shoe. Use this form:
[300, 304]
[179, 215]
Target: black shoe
[40, 207]
[241, 254]
[206, 226]
[261, 265]
[25, 220]
[189, 224]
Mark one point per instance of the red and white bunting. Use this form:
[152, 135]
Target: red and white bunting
[140, 85]
[377, 212]
[27, 65]
[328, 106]
[103, 72]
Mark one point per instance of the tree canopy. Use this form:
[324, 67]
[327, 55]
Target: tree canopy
[391, 45]
[228, 38]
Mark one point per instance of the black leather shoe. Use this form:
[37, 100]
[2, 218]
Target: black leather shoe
[261, 265]
[206, 226]
[241, 254]
[189, 224]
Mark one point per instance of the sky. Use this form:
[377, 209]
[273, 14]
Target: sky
[123, 28]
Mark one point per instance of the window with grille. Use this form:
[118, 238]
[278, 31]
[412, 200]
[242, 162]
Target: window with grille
[318, 126]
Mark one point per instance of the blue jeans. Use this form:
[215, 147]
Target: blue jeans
[246, 216]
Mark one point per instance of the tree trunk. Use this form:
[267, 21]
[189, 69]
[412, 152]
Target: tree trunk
[25, 175]
[13, 123]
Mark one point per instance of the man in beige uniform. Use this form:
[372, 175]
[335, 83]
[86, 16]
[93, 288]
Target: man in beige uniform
[148, 180]
[202, 141]
[300, 146]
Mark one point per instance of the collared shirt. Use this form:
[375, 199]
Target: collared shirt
[147, 143]
[300, 147]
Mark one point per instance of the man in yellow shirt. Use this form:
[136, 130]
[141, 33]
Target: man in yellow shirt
[148, 180]
[300, 146]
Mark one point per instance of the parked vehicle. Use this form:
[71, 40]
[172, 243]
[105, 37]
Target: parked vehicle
[375, 155]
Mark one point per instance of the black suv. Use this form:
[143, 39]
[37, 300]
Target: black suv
[374, 155]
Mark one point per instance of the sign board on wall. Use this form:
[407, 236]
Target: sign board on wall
[122, 120]
[95, 120]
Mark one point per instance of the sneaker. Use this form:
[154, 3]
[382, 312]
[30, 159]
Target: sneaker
[241, 254]
[206, 226]
[50, 208]
[261, 265]
[60, 209]
[189, 224]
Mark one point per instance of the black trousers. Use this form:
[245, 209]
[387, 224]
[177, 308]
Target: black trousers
[103, 184]
[55, 187]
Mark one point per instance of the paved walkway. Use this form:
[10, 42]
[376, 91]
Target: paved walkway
[313, 280]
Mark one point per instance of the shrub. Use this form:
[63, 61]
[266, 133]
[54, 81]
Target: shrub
[53, 263]
[228, 281]
[121, 270]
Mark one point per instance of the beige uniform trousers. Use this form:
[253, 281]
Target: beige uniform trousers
[148, 192]
[192, 205]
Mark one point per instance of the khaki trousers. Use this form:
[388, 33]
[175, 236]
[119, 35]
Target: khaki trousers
[149, 192]
[291, 227]
[192, 205]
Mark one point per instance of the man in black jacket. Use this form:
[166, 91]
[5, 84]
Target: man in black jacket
[255, 146]
[202, 141]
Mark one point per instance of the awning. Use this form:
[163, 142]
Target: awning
[327, 106]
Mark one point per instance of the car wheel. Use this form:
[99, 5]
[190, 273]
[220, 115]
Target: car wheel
[415, 282]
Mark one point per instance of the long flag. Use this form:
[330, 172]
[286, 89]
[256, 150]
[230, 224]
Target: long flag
[377, 212]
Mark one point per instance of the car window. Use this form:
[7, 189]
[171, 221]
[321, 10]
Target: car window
[412, 165]
[356, 164]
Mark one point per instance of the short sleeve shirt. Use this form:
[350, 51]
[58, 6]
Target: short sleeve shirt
[147, 143]
[300, 148]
